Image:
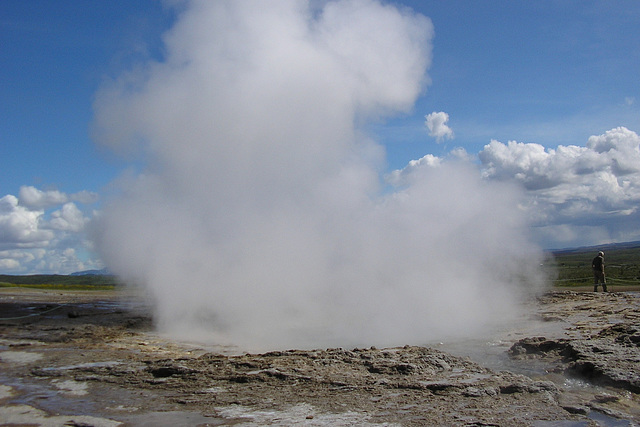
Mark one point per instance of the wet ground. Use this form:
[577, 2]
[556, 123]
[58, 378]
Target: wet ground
[92, 359]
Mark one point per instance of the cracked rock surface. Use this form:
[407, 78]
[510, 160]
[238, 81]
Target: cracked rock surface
[90, 359]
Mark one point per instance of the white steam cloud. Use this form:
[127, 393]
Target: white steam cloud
[260, 219]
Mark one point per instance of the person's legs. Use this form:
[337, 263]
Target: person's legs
[598, 277]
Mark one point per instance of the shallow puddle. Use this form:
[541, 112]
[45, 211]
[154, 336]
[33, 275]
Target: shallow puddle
[25, 415]
[83, 366]
[604, 420]
[72, 387]
[20, 357]
[174, 418]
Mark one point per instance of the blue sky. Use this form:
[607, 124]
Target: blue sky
[552, 73]
[54, 57]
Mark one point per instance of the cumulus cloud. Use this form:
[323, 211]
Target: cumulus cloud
[8, 263]
[34, 238]
[84, 197]
[260, 220]
[15, 260]
[619, 148]
[402, 176]
[575, 195]
[436, 122]
[34, 198]
[19, 226]
[596, 187]
[68, 218]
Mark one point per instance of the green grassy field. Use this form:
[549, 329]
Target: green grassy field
[60, 282]
[573, 267]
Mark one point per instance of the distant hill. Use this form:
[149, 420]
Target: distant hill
[606, 247]
[103, 272]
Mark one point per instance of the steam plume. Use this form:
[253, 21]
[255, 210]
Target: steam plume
[260, 219]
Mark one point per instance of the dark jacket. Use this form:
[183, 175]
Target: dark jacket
[598, 263]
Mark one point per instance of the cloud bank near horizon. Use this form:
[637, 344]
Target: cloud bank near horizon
[574, 191]
[261, 220]
[40, 231]
[574, 195]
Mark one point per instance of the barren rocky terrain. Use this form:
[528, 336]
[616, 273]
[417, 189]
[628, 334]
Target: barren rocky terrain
[93, 359]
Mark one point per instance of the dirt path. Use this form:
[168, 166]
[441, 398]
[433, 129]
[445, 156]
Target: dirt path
[86, 358]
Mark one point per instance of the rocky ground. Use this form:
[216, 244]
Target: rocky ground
[92, 359]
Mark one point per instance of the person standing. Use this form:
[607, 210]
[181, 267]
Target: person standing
[598, 272]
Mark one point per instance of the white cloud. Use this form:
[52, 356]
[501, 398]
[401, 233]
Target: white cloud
[34, 240]
[619, 147]
[8, 264]
[436, 122]
[69, 218]
[530, 164]
[16, 259]
[19, 226]
[69, 252]
[85, 197]
[33, 198]
[575, 195]
[404, 176]
[596, 186]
